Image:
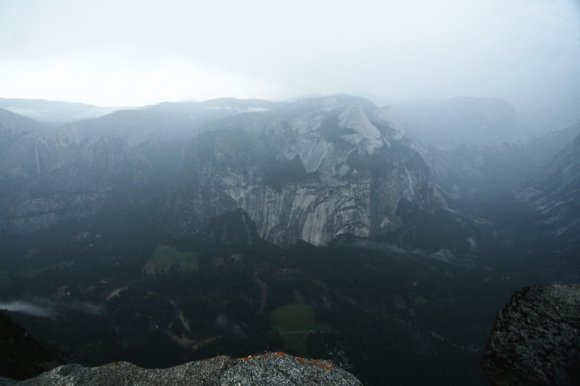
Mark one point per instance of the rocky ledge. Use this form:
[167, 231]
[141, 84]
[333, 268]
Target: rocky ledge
[268, 369]
[536, 339]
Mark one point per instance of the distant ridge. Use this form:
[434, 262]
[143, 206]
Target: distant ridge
[55, 112]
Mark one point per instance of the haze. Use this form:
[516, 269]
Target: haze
[142, 52]
[367, 182]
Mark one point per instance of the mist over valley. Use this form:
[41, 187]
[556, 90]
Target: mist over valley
[165, 197]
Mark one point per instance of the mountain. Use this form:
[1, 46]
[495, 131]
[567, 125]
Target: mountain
[474, 146]
[555, 197]
[476, 172]
[540, 151]
[310, 170]
[238, 227]
[55, 112]
[11, 123]
[162, 122]
[14, 129]
[458, 121]
[469, 143]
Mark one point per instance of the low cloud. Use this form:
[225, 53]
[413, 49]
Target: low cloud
[28, 309]
[48, 308]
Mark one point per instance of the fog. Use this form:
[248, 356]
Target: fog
[27, 308]
[139, 52]
[49, 308]
[390, 173]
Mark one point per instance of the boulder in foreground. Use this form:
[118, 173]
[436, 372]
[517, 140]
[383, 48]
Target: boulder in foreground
[536, 339]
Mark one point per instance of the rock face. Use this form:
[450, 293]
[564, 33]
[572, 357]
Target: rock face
[53, 112]
[536, 339]
[310, 170]
[269, 369]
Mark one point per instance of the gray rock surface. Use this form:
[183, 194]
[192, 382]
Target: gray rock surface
[310, 170]
[268, 369]
[536, 339]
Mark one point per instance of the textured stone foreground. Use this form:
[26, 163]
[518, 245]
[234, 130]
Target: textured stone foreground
[536, 339]
[268, 369]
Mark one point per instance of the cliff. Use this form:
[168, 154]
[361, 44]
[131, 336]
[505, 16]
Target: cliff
[310, 170]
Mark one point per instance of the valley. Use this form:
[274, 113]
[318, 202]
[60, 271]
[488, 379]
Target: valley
[183, 231]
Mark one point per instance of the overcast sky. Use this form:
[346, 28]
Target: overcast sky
[132, 52]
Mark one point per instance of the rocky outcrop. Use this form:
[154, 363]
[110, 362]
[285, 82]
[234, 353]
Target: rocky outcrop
[268, 369]
[536, 339]
[332, 170]
[310, 170]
